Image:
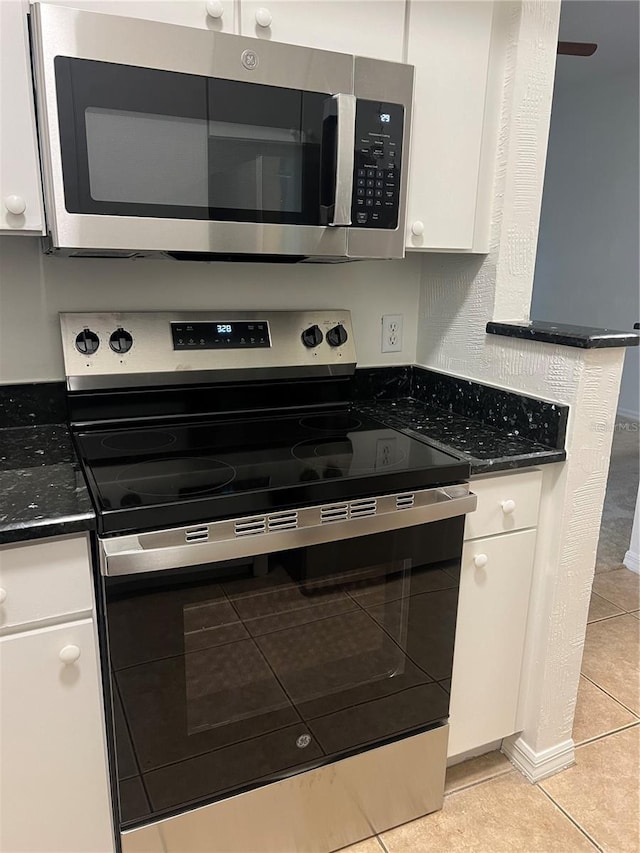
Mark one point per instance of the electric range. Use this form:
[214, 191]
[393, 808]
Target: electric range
[278, 581]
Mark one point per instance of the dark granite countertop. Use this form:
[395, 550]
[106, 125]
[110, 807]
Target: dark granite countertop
[487, 448]
[584, 337]
[42, 489]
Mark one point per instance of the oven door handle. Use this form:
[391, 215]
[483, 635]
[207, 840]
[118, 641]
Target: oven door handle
[239, 538]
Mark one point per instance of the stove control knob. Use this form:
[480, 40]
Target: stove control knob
[312, 336]
[337, 336]
[87, 342]
[121, 341]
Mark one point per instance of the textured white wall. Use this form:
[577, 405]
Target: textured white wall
[34, 288]
[459, 295]
[587, 263]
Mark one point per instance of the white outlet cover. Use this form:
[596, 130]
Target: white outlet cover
[392, 332]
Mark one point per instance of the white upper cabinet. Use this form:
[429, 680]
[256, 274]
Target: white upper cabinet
[449, 43]
[365, 27]
[20, 190]
[216, 15]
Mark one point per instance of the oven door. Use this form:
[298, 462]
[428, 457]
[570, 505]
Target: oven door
[232, 675]
[164, 138]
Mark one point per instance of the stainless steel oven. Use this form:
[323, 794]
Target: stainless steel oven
[277, 582]
[161, 139]
[229, 675]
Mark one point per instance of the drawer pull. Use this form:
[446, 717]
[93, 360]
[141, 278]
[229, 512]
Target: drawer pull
[3, 595]
[69, 654]
[480, 561]
[508, 507]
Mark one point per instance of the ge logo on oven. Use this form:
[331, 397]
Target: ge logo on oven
[249, 59]
[303, 740]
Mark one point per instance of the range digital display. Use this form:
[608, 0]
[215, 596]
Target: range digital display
[244, 334]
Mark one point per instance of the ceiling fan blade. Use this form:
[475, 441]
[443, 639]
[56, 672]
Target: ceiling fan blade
[577, 48]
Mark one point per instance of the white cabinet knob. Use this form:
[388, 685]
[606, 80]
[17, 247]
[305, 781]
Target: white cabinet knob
[215, 9]
[69, 654]
[417, 229]
[263, 17]
[15, 204]
[3, 595]
[480, 561]
[508, 507]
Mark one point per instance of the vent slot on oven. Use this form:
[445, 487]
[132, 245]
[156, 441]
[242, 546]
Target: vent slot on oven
[334, 512]
[358, 509]
[197, 534]
[405, 501]
[283, 521]
[251, 526]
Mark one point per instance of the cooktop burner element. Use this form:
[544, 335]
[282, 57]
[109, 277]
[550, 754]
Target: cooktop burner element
[176, 478]
[139, 440]
[334, 423]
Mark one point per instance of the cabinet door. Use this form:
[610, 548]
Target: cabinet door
[186, 13]
[449, 45]
[495, 585]
[363, 27]
[54, 791]
[21, 207]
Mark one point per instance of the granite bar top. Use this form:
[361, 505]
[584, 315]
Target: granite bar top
[42, 489]
[487, 448]
[584, 337]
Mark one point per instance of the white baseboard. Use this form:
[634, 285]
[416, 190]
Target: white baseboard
[538, 765]
[632, 561]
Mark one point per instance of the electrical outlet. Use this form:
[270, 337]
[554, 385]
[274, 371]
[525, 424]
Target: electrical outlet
[392, 333]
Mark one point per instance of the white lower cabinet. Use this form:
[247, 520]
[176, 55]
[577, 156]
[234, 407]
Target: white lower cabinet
[495, 584]
[54, 783]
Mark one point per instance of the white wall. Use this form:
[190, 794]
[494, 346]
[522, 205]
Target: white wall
[587, 263]
[459, 295]
[35, 287]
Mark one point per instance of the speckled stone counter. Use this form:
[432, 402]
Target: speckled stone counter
[485, 447]
[492, 429]
[564, 334]
[42, 490]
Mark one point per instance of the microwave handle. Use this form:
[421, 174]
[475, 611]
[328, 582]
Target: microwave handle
[345, 146]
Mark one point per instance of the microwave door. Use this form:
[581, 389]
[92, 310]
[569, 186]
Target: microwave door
[156, 139]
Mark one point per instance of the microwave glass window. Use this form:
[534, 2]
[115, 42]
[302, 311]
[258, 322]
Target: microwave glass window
[142, 142]
[139, 158]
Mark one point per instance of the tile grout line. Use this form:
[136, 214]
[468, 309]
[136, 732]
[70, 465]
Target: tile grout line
[596, 738]
[600, 687]
[569, 818]
[382, 844]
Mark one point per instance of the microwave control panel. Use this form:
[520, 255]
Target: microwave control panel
[377, 164]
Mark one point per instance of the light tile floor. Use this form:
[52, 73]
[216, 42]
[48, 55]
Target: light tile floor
[594, 805]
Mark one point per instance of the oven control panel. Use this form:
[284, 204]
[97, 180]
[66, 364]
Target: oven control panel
[143, 349]
[377, 167]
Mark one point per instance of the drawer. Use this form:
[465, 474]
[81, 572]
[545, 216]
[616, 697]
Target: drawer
[44, 580]
[506, 502]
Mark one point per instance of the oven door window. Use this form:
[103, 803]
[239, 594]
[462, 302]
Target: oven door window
[142, 142]
[235, 675]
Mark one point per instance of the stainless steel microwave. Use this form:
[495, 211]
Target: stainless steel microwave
[159, 139]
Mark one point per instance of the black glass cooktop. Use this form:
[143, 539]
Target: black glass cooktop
[158, 476]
